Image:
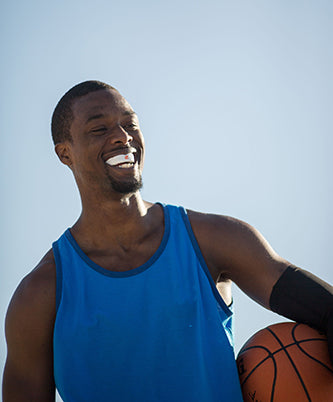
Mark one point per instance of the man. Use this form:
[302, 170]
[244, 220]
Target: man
[124, 306]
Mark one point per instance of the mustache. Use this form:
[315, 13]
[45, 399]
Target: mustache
[127, 149]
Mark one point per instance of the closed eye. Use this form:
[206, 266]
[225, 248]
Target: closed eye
[132, 126]
[100, 130]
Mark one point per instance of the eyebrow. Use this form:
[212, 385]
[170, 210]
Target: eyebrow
[94, 117]
[98, 116]
[129, 113]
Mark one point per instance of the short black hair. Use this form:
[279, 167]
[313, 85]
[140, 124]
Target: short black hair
[63, 115]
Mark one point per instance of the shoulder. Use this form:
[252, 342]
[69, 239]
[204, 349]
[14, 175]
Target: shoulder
[227, 243]
[214, 229]
[211, 232]
[41, 281]
[29, 326]
[34, 298]
[235, 250]
[217, 222]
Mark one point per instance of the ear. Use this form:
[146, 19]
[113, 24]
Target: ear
[62, 149]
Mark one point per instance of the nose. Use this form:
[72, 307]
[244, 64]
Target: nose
[121, 136]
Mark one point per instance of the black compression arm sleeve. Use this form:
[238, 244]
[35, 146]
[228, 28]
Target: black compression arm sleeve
[302, 297]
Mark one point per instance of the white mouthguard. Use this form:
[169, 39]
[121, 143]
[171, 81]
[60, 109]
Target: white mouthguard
[118, 159]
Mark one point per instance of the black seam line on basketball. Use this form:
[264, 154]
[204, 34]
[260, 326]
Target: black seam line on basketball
[305, 352]
[270, 355]
[291, 361]
[287, 346]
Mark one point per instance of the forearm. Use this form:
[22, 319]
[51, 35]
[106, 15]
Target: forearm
[303, 297]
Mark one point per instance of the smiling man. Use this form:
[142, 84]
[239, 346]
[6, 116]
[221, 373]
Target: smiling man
[124, 307]
[96, 115]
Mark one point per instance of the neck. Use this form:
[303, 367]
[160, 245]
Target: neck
[113, 221]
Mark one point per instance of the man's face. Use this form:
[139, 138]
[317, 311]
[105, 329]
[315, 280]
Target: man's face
[107, 149]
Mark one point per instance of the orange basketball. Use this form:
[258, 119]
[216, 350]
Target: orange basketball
[286, 362]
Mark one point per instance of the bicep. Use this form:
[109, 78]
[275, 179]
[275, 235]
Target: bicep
[28, 373]
[237, 251]
[253, 264]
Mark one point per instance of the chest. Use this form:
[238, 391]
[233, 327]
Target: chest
[125, 257]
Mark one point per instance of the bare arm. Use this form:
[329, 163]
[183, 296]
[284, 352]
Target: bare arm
[236, 251]
[28, 374]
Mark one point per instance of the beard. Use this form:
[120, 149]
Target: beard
[128, 186]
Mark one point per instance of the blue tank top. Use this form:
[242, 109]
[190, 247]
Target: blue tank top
[158, 332]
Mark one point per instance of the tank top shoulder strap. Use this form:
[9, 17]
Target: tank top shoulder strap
[181, 225]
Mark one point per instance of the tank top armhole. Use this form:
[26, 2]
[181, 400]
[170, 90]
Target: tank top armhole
[55, 247]
[228, 311]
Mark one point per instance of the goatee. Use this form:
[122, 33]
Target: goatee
[126, 187]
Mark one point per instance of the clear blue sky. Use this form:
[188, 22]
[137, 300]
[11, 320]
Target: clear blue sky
[234, 99]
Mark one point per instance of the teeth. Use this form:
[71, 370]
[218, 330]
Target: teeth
[125, 165]
[126, 159]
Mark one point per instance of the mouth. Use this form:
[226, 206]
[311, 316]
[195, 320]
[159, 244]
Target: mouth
[123, 161]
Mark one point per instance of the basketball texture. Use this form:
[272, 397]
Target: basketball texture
[286, 362]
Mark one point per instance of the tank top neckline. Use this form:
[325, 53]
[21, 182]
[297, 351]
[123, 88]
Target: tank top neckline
[132, 271]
